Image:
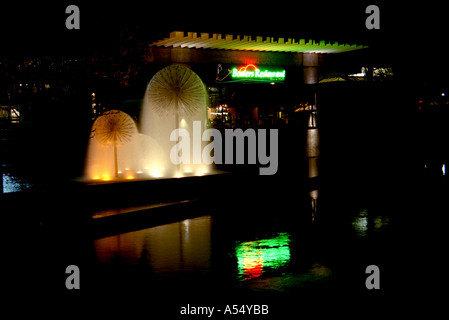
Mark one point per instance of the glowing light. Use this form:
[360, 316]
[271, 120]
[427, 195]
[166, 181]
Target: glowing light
[178, 175]
[443, 94]
[360, 224]
[443, 169]
[106, 177]
[258, 74]
[255, 257]
[156, 173]
[96, 177]
[244, 68]
[202, 171]
[381, 222]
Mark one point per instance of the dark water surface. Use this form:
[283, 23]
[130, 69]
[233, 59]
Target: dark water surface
[267, 252]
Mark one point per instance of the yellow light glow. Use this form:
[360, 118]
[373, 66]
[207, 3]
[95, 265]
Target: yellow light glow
[178, 175]
[202, 172]
[129, 177]
[156, 173]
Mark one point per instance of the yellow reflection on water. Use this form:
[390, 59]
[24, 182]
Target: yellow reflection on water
[174, 247]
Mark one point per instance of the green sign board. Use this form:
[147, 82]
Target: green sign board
[250, 73]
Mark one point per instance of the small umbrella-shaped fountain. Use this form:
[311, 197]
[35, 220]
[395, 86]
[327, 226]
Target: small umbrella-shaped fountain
[114, 127]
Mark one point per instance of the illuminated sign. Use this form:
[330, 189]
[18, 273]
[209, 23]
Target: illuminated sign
[250, 73]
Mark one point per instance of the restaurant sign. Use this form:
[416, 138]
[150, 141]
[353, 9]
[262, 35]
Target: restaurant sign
[249, 73]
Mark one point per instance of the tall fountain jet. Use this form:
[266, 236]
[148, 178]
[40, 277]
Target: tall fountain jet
[175, 98]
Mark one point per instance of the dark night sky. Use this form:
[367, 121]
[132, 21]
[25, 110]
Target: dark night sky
[409, 33]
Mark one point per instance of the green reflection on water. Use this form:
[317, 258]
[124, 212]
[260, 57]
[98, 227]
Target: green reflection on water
[256, 257]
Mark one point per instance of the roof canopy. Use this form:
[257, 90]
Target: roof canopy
[247, 43]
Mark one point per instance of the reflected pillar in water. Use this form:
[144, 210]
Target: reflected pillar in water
[312, 137]
[313, 155]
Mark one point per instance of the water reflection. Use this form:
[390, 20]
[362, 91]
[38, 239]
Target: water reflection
[314, 203]
[259, 256]
[181, 246]
[360, 223]
[315, 274]
[313, 155]
[10, 183]
[363, 223]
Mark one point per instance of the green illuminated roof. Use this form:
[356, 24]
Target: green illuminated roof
[248, 43]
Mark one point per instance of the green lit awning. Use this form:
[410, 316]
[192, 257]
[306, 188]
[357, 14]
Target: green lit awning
[248, 43]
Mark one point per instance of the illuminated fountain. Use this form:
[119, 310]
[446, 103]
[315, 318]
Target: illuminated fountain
[111, 132]
[174, 98]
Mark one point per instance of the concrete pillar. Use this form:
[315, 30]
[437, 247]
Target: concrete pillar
[181, 56]
[310, 67]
